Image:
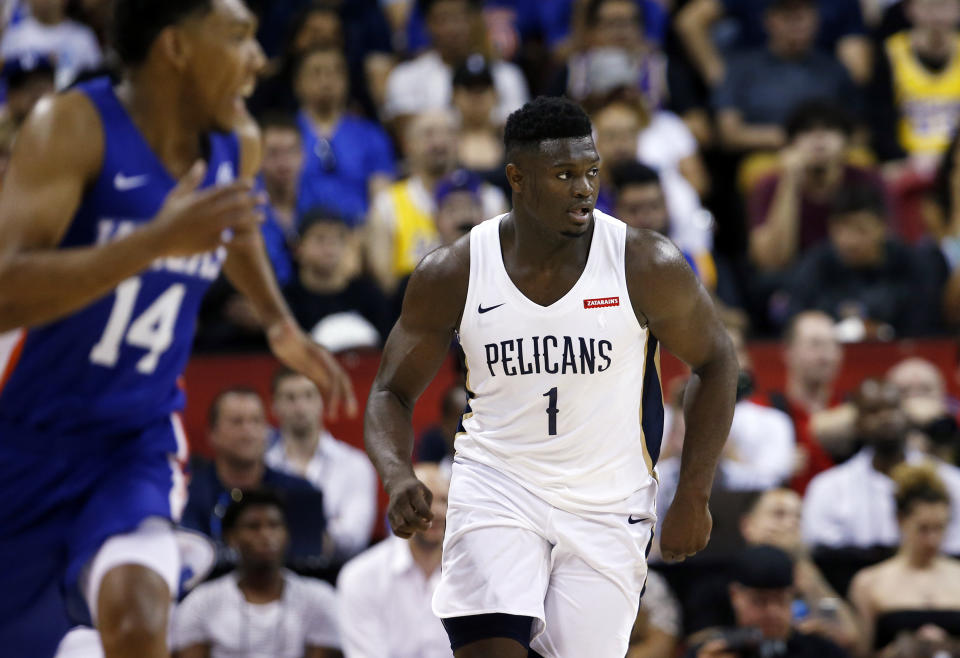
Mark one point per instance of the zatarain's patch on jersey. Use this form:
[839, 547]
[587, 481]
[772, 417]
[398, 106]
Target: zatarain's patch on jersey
[601, 302]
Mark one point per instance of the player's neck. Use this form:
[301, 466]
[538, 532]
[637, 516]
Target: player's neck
[526, 241]
[167, 127]
[261, 585]
[235, 474]
[425, 556]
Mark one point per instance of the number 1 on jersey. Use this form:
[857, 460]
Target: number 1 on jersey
[552, 411]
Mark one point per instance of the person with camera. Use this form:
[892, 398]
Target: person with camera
[762, 595]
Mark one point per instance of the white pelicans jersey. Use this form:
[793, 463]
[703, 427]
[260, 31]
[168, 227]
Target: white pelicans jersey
[565, 399]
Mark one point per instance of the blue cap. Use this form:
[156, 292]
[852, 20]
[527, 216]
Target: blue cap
[460, 180]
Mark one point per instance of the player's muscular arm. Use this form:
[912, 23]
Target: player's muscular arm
[249, 270]
[412, 355]
[57, 155]
[247, 265]
[682, 317]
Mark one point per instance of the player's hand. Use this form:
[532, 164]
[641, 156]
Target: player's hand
[686, 528]
[409, 507]
[194, 221]
[295, 349]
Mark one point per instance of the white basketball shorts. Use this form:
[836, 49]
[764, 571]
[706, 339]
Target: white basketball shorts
[580, 576]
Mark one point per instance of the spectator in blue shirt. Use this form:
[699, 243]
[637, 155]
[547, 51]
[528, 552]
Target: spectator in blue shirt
[348, 159]
[238, 433]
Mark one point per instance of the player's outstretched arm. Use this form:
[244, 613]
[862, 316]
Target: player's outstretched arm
[681, 315]
[250, 272]
[58, 153]
[413, 353]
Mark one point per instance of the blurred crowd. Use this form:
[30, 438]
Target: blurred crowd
[802, 154]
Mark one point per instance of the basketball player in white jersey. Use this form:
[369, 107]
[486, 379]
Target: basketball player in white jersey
[560, 311]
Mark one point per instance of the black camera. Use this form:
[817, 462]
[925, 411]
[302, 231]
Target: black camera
[750, 643]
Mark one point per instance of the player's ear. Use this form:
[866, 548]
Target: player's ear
[172, 42]
[515, 177]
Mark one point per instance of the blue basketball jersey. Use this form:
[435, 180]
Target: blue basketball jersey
[110, 370]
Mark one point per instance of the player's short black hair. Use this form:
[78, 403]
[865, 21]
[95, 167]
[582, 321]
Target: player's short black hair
[856, 198]
[136, 24]
[633, 173]
[818, 114]
[244, 500]
[213, 413]
[542, 119]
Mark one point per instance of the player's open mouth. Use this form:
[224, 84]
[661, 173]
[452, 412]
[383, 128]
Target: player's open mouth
[245, 92]
[581, 213]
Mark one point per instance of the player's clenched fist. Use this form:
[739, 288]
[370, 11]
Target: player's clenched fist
[686, 528]
[409, 507]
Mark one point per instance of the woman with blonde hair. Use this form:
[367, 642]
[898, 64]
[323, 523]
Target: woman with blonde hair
[910, 603]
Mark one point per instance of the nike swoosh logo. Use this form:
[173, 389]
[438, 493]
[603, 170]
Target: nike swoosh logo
[480, 308]
[125, 183]
[632, 520]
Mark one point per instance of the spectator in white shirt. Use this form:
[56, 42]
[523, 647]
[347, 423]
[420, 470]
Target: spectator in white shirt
[852, 505]
[627, 131]
[386, 593]
[343, 473]
[760, 449]
[48, 31]
[261, 609]
[426, 82]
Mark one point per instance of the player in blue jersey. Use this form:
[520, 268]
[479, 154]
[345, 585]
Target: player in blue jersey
[120, 206]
